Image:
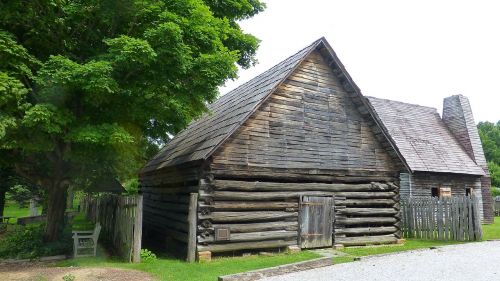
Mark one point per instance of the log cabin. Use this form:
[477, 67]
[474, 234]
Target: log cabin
[296, 157]
[444, 155]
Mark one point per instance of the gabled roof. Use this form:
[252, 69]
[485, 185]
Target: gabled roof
[422, 138]
[224, 116]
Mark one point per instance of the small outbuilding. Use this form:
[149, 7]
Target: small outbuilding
[444, 154]
[296, 156]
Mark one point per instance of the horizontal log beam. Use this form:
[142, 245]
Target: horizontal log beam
[162, 222]
[252, 236]
[367, 202]
[254, 227]
[366, 220]
[242, 205]
[216, 248]
[276, 186]
[259, 196]
[170, 215]
[367, 230]
[247, 216]
[170, 190]
[277, 195]
[366, 240]
[368, 211]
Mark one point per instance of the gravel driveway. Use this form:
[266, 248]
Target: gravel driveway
[473, 261]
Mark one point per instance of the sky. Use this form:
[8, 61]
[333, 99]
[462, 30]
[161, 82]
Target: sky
[412, 51]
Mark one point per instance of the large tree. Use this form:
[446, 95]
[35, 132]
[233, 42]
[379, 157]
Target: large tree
[86, 86]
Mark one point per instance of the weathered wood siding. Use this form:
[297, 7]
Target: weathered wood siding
[419, 185]
[308, 123]
[166, 196]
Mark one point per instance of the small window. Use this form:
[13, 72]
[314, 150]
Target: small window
[435, 192]
[468, 191]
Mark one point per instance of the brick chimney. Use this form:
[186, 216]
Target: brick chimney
[457, 115]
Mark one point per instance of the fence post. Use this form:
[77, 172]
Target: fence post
[137, 230]
[193, 210]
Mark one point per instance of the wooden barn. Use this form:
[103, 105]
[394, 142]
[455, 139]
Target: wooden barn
[296, 156]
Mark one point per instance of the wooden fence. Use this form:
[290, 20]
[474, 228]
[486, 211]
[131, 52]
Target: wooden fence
[121, 221]
[448, 218]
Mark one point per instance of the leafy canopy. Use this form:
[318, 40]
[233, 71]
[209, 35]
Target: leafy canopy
[96, 78]
[490, 138]
[87, 87]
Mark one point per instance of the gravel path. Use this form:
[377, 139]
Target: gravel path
[473, 261]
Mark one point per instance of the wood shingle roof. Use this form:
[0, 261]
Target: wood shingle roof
[225, 115]
[422, 138]
[416, 133]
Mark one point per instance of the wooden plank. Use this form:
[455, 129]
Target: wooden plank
[136, 258]
[216, 248]
[276, 186]
[247, 216]
[363, 231]
[254, 227]
[250, 205]
[369, 211]
[192, 222]
[367, 220]
[367, 240]
[315, 221]
[252, 236]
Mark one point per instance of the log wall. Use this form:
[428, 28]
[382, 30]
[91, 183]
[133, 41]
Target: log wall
[265, 214]
[166, 196]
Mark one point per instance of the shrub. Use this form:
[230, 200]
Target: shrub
[69, 277]
[147, 255]
[495, 191]
[27, 243]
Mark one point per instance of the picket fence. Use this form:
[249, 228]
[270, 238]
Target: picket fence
[448, 218]
[121, 221]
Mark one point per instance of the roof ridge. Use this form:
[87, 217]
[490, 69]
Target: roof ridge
[402, 102]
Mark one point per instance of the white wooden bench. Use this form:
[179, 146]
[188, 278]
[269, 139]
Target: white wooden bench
[86, 240]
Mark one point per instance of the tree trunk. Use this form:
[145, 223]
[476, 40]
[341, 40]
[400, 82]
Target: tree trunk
[70, 198]
[56, 205]
[2, 200]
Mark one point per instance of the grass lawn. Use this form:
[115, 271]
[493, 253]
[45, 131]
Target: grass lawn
[492, 231]
[411, 244]
[12, 209]
[172, 269]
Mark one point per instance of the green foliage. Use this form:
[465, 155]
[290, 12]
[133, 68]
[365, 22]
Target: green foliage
[27, 242]
[21, 194]
[69, 277]
[80, 222]
[147, 256]
[490, 138]
[495, 191]
[132, 186]
[89, 88]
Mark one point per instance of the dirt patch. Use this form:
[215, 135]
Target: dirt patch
[43, 272]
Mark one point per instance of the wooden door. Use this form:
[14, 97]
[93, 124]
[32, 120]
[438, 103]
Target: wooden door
[316, 221]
